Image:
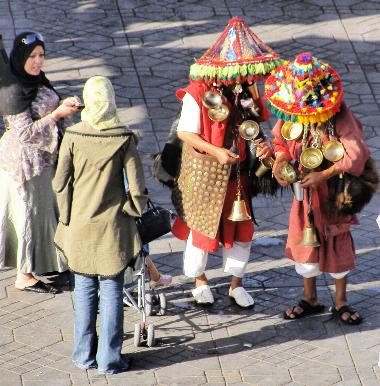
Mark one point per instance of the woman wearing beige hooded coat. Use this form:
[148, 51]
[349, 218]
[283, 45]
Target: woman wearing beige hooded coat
[97, 234]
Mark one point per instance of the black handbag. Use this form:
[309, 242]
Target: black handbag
[154, 223]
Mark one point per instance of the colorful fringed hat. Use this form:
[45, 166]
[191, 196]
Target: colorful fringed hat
[305, 91]
[237, 56]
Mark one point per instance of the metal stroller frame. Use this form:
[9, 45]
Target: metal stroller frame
[145, 305]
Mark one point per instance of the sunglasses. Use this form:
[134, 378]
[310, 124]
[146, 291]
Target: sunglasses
[31, 38]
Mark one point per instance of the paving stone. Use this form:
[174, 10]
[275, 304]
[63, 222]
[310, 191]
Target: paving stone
[182, 381]
[144, 379]
[9, 378]
[318, 374]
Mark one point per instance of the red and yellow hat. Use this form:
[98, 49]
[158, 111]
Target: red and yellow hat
[305, 91]
[238, 55]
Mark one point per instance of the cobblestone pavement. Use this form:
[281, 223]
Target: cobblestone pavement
[146, 47]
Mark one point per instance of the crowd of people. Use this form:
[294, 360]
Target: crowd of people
[63, 201]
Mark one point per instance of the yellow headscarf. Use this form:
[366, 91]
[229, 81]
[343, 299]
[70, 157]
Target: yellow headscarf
[100, 106]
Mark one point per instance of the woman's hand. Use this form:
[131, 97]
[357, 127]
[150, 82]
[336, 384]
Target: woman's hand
[68, 107]
[73, 101]
[313, 180]
[278, 165]
[225, 156]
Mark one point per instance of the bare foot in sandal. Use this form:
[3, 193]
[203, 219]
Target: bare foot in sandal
[24, 280]
[346, 314]
[302, 309]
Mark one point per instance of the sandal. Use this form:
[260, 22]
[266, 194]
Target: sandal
[308, 309]
[338, 314]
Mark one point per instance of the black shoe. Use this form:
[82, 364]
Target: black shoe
[42, 288]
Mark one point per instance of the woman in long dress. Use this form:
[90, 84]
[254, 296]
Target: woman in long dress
[28, 153]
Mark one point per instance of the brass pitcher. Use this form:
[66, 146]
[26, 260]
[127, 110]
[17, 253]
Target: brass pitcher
[309, 237]
[239, 210]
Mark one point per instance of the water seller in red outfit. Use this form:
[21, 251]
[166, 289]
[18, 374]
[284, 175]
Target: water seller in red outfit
[215, 168]
[325, 141]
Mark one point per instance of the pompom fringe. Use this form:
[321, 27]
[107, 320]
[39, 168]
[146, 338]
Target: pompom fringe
[234, 73]
[304, 119]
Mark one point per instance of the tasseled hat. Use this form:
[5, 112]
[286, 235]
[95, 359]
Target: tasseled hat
[305, 91]
[237, 56]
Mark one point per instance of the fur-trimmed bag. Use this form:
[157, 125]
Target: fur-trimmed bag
[166, 163]
[357, 190]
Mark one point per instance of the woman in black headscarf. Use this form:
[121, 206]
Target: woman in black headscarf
[28, 151]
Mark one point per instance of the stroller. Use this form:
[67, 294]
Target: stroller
[146, 301]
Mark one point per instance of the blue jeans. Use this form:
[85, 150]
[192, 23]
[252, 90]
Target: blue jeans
[103, 352]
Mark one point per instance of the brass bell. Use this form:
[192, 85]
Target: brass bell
[218, 114]
[309, 237]
[333, 150]
[212, 100]
[249, 130]
[239, 210]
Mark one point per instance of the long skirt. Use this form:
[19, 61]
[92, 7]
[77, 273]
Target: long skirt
[28, 224]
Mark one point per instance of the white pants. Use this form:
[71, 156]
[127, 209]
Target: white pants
[309, 270]
[235, 259]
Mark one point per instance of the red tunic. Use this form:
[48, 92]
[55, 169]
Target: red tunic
[229, 231]
[337, 252]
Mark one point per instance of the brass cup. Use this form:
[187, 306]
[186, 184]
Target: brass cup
[249, 130]
[333, 150]
[212, 100]
[289, 173]
[265, 166]
[218, 114]
[291, 131]
[311, 158]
